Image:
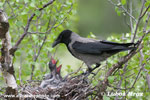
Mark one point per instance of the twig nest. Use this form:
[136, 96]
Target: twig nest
[55, 87]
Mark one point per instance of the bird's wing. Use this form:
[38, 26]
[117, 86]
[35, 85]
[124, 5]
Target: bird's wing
[99, 47]
[114, 43]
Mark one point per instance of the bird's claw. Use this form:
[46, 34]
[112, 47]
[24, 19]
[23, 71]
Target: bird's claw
[93, 73]
[87, 73]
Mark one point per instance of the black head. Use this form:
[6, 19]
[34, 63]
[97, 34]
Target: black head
[64, 37]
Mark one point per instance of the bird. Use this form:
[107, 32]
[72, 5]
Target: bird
[90, 51]
[54, 78]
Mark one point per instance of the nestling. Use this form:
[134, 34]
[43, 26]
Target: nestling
[90, 51]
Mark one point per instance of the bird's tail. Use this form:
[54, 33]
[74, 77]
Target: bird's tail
[118, 47]
[128, 46]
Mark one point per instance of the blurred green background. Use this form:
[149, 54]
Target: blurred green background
[100, 18]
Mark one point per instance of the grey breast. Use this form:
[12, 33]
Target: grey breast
[87, 58]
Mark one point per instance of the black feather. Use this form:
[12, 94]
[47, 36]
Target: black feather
[100, 47]
[114, 43]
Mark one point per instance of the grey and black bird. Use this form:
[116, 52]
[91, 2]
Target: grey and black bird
[90, 51]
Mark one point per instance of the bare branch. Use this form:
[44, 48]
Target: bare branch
[142, 15]
[38, 53]
[139, 19]
[122, 61]
[14, 48]
[131, 22]
[136, 77]
[122, 7]
[144, 29]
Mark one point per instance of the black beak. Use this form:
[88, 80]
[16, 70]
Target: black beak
[55, 43]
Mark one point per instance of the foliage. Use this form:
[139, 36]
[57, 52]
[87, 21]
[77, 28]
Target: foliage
[44, 25]
[34, 52]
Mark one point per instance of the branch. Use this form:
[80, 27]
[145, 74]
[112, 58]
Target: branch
[142, 15]
[139, 19]
[39, 50]
[136, 78]
[14, 48]
[45, 38]
[122, 61]
[131, 22]
[122, 7]
[146, 22]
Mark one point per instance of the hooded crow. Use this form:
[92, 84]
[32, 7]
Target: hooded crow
[90, 51]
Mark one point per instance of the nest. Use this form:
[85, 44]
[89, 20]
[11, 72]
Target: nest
[54, 87]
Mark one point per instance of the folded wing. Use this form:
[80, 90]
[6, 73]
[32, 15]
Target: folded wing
[99, 47]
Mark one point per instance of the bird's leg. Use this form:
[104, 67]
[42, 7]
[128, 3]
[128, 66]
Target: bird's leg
[97, 65]
[92, 69]
[87, 73]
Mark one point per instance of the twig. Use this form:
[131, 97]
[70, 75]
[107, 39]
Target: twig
[65, 17]
[142, 15]
[148, 80]
[131, 22]
[122, 7]
[118, 87]
[73, 72]
[7, 1]
[146, 22]
[137, 76]
[45, 38]
[120, 82]
[39, 50]
[139, 19]
[38, 32]
[29, 94]
[119, 64]
[27, 27]
[130, 75]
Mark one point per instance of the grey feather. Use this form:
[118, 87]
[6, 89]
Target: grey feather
[90, 51]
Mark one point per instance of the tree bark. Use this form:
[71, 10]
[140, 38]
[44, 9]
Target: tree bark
[7, 68]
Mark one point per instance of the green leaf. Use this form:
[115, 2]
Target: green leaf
[147, 67]
[149, 72]
[91, 35]
[23, 13]
[111, 79]
[143, 73]
[106, 98]
[29, 56]
[32, 4]
[95, 83]
[147, 3]
[1, 4]
[33, 63]
[19, 23]
[37, 12]
[26, 1]
[17, 0]
[123, 2]
[136, 71]
[18, 53]
[118, 11]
